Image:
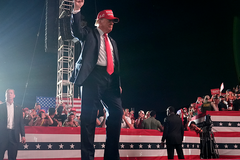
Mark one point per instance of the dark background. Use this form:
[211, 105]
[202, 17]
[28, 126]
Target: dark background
[171, 52]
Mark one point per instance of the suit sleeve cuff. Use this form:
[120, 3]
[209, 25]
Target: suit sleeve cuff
[76, 11]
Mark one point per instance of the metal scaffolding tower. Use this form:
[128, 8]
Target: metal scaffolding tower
[65, 61]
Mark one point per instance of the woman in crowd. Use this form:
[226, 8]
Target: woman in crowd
[70, 121]
[101, 119]
[52, 113]
[43, 119]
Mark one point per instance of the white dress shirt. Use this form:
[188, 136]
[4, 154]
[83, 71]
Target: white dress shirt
[10, 115]
[102, 56]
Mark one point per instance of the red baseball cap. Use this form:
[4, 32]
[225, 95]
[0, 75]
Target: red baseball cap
[73, 110]
[42, 111]
[108, 14]
[26, 109]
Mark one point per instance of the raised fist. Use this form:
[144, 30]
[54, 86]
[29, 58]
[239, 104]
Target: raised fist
[78, 4]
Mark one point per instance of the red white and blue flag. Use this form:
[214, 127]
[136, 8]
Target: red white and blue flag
[51, 102]
[63, 143]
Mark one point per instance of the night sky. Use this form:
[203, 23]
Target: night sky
[171, 52]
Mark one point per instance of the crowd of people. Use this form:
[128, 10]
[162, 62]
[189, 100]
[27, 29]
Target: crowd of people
[59, 117]
[228, 101]
[62, 117]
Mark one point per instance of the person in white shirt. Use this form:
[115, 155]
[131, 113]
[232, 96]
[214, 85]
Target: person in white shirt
[11, 126]
[126, 120]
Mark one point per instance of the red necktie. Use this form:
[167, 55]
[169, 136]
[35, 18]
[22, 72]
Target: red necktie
[110, 68]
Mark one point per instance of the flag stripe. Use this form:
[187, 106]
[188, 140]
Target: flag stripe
[50, 142]
[225, 118]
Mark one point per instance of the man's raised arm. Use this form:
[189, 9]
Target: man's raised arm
[78, 29]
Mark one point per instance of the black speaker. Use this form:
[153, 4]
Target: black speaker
[51, 26]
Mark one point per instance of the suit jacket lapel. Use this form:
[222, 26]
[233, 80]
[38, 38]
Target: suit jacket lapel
[15, 115]
[115, 52]
[5, 113]
[98, 39]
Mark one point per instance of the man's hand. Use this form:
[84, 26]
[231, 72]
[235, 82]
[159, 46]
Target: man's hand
[78, 4]
[23, 140]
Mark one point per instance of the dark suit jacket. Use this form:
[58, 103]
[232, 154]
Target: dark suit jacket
[18, 122]
[90, 39]
[173, 130]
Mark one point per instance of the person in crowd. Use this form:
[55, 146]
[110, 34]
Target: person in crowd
[198, 105]
[230, 97]
[33, 115]
[222, 106]
[73, 110]
[101, 119]
[193, 127]
[27, 118]
[70, 121]
[26, 110]
[43, 119]
[132, 114]
[173, 134]
[52, 113]
[78, 118]
[236, 102]
[186, 118]
[208, 105]
[152, 123]
[65, 112]
[75, 115]
[183, 114]
[139, 120]
[216, 99]
[147, 114]
[37, 107]
[61, 114]
[126, 120]
[11, 126]
[192, 110]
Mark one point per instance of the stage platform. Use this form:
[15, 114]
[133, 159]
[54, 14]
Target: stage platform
[63, 143]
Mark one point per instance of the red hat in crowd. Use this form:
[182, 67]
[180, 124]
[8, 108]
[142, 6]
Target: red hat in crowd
[73, 110]
[42, 111]
[108, 14]
[25, 109]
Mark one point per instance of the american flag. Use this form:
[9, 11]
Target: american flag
[46, 102]
[49, 102]
[76, 104]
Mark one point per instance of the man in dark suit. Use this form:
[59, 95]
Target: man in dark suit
[173, 134]
[11, 125]
[97, 71]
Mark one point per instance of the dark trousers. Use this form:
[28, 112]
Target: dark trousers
[100, 86]
[170, 151]
[10, 144]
